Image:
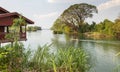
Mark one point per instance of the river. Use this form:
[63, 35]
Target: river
[102, 52]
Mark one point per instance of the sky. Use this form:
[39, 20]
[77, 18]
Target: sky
[45, 12]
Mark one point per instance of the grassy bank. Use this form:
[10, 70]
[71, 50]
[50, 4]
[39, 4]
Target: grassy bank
[16, 59]
[97, 35]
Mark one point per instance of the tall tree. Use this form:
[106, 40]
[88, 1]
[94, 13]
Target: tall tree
[116, 26]
[77, 13]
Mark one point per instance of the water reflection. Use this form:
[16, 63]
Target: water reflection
[102, 51]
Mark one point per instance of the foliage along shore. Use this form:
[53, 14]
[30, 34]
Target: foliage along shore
[33, 28]
[96, 35]
[72, 21]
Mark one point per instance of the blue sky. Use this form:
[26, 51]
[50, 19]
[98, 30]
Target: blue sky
[45, 12]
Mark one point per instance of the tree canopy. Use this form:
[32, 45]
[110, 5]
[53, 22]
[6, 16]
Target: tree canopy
[116, 26]
[74, 17]
[77, 13]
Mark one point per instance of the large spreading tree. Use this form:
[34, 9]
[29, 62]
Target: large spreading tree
[76, 14]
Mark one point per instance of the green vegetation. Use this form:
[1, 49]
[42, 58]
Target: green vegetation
[105, 27]
[117, 68]
[68, 59]
[72, 21]
[58, 27]
[108, 28]
[74, 17]
[100, 31]
[17, 59]
[33, 28]
[13, 59]
[116, 28]
[57, 32]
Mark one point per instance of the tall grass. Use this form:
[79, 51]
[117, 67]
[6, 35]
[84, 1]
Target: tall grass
[117, 68]
[16, 59]
[69, 59]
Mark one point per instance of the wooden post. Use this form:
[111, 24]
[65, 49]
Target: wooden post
[25, 33]
[25, 29]
[20, 29]
[7, 29]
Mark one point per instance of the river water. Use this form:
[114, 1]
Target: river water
[102, 52]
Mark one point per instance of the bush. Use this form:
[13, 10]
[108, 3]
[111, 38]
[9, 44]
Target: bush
[57, 32]
[13, 58]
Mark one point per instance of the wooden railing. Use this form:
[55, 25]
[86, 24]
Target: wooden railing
[3, 34]
[22, 35]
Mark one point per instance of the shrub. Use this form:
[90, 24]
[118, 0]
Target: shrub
[13, 58]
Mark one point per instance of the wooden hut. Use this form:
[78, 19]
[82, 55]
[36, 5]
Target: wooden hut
[6, 21]
[2, 10]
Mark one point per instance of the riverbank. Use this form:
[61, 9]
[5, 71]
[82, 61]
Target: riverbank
[33, 28]
[97, 35]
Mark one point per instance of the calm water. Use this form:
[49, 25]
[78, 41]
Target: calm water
[102, 51]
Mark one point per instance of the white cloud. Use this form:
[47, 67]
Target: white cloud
[44, 16]
[61, 1]
[109, 4]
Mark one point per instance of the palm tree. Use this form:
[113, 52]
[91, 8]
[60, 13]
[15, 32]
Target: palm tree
[16, 28]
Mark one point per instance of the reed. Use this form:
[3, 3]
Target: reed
[17, 59]
[69, 59]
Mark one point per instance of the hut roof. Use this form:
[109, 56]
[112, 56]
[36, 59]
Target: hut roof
[15, 15]
[2, 10]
